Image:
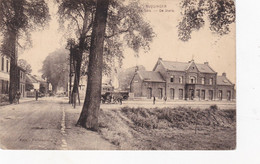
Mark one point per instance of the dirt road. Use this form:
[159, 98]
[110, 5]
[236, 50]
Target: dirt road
[46, 124]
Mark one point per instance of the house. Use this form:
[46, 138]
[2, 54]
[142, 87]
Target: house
[21, 81]
[4, 74]
[36, 82]
[182, 80]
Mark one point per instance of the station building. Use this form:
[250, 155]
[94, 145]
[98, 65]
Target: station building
[182, 81]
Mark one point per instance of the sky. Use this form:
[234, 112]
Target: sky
[163, 15]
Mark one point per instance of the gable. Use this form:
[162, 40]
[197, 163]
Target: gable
[192, 68]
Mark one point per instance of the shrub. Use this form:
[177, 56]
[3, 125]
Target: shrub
[213, 107]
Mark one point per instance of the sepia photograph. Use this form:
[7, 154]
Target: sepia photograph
[118, 75]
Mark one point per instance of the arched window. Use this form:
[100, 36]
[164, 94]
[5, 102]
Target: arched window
[192, 80]
[203, 80]
[180, 80]
[210, 81]
[172, 79]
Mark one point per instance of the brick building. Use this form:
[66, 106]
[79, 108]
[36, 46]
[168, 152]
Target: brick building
[180, 80]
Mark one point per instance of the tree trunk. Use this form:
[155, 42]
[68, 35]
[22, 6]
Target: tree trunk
[90, 111]
[13, 67]
[77, 57]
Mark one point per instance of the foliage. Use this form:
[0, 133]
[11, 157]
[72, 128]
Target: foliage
[55, 68]
[125, 76]
[26, 66]
[124, 24]
[179, 117]
[220, 13]
[18, 16]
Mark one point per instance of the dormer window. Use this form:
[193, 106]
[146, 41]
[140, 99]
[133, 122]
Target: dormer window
[172, 79]
[180, 80]
[203, 80]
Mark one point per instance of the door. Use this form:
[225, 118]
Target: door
[210, 94]
[228, 95]
[198, 93]
[180, 94]
[149, 93]
[191, 94]
[203, 94]
[171, 93]
[160, 93]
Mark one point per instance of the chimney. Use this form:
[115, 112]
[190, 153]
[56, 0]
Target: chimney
[159, 58]
[136, 68]
[191, 61]
[207, 63]
[224, 74]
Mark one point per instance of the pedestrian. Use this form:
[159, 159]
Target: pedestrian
[120, 99]
[153, 99]
[17, 96]
[165, 99]
[36, 95]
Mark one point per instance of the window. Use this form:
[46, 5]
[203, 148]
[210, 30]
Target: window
[3, 63]
[203, 80]
[192, 80]
[180, 80]
[210, 81]
[172, 79]
[7, 66]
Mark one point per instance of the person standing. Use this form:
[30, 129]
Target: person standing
[153, 99]
[165, 99]
[18, 96]
[36, 95]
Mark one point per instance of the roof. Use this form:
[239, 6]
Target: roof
[20, 68]
[31, 79]
[34, 79]
[150, 76]
[183, 66]
[39, 79]
[223, 80]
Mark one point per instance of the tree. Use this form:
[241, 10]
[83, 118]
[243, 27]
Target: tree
[122, 19]
[26, 66]
[55, 68]
[125, 76]
[89, 115]
[220, 13]
[18, 17]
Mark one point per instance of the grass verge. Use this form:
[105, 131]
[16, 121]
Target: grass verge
[169, 128]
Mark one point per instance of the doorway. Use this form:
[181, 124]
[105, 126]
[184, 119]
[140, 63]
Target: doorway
[180, 94]
[149, 93]
[171, 93]
[191, 94]
[210, 94]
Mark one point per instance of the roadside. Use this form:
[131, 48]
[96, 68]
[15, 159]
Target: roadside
[46, 124]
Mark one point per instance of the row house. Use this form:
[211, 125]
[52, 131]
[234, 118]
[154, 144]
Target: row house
[4, 74]
[182, 80]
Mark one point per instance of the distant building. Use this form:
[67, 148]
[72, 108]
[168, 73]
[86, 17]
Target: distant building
[21, 81]
[37, 83]
[4, 74]
[182, 80]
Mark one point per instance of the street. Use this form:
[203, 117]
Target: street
[46, 124]
[49, 123]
